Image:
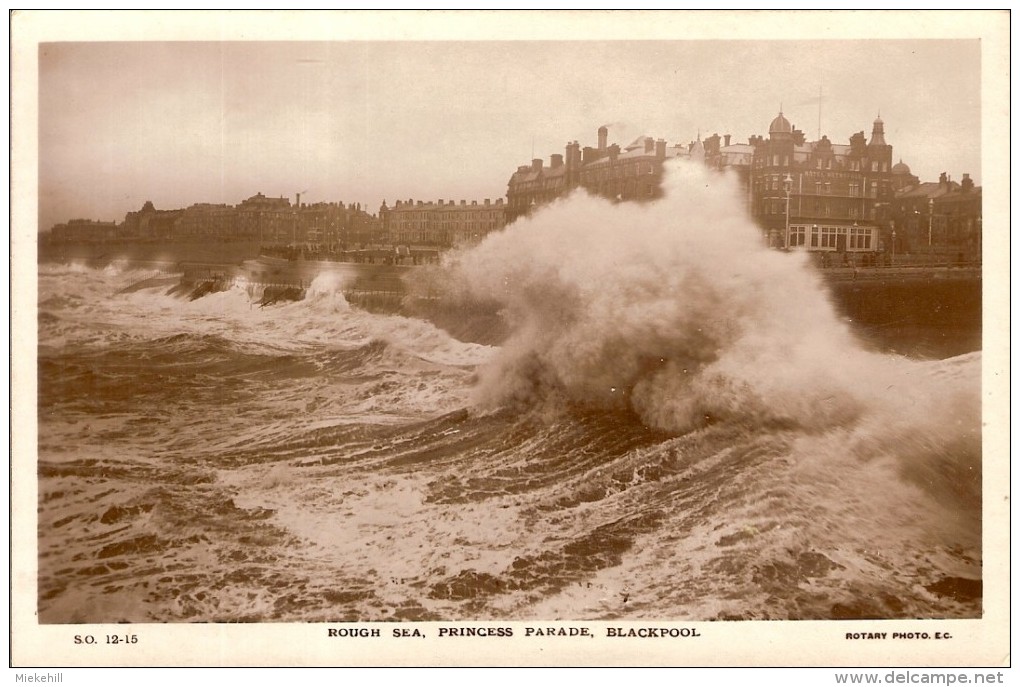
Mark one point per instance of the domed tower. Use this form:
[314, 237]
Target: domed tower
[878, 150]
[772, 176]
[780, 142]
[877, 132]
[877, 176]
[901, 176]
[780, 125]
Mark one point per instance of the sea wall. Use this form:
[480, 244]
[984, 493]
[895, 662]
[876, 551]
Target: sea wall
[922, 311]
[933, 312]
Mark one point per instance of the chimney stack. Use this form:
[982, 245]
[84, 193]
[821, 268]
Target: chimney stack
[649, 144]
[555, 160]
[536, 165]
[603, 137]
[660, 148]
[727, 139]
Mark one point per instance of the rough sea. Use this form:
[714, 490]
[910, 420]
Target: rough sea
[677, 426]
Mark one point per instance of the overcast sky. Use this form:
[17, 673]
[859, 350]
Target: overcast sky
[362, 121]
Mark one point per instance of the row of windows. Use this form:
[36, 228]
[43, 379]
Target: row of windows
[777, 182]
[619, 171]
[445, 227]
[426, 215]
[822, 163]
[857, 238]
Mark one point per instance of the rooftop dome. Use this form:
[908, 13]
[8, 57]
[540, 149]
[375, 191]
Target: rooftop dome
[780, 125]
[900, 168]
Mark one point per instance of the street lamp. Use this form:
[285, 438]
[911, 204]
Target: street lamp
[893, 245]
[931, 212]
[788, 185]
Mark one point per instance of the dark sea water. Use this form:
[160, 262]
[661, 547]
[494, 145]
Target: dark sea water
[679, 426]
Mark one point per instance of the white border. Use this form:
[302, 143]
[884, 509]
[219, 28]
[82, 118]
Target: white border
[975, 642]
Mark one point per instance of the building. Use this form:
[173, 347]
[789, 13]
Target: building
[319, 228]
[632, 173]
[534, 185]
[85, 230]
[938, 219]
[901, 177]
[327, 227]
[363, 229]
[150, 224]
[270, 221]
[819, 195]
[442, 224]
[205, 221]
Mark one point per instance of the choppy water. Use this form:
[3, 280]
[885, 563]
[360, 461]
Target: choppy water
[678, 427]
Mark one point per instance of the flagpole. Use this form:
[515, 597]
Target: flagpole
[819, 113]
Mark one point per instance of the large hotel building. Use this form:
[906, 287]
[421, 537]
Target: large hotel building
[817, 196]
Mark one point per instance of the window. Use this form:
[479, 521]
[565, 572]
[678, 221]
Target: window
[797, 235]
[828, 188]
[874, 166]
[855, 189]
[828, 237]
[859, 239]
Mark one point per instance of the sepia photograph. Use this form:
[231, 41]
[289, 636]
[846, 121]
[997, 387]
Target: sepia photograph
[500, 332]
